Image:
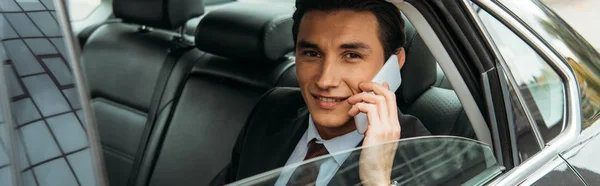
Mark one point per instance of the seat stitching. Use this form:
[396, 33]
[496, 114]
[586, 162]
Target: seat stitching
[165, 107]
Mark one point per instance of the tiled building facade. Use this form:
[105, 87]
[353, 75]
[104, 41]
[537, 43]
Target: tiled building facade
[51, 139]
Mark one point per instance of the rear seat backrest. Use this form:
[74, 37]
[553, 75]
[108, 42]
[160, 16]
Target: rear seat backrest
[246, 45]
[123, 65]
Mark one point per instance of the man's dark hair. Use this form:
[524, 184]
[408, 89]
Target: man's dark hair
[389, 19]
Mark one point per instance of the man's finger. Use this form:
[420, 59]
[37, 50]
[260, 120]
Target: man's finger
[353, 111]
[372, 116]
[367, 98]
[390, 97]
[379, 101]
[393, 109]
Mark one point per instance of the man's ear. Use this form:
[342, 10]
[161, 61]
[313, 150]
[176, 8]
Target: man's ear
[401, 56]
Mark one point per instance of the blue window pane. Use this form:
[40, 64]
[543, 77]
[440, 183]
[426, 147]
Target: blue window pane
[23, 25]
[46, 95]
[9, 6]
[60, 45]
[59, 70]
[6, 31]
[41, 46]
[6, 176]
[32, 5]
[28, 179]
[49, 4]
[39, 144]
[22, 58]
[46, 23]
[82, 165]
[68, 131]
[24, 111]
[73, 98]
[14, 87]
[3, 153]
[23, 159]
[55, 172]
[80, 116]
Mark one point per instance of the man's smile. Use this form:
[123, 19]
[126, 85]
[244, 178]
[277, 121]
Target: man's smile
[328, 102]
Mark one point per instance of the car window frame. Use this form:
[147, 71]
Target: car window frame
[571, 120]
[475, 115]
[440, 53]
[510, 77]
[508, 81]
[73, 55]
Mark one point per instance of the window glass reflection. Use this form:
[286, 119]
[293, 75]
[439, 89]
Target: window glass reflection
[541, 87]
[51, 142]
[418, 161]
[527, 144]
[580, 55]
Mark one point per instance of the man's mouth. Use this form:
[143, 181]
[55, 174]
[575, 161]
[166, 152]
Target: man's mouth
[328, 103]
[328, 99]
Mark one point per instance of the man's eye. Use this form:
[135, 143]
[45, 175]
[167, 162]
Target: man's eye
[311, 53]
[353, 55]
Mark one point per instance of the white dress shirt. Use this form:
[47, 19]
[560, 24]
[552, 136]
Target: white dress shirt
[328, 169]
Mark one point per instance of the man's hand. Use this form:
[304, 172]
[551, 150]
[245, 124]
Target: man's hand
[375, 166]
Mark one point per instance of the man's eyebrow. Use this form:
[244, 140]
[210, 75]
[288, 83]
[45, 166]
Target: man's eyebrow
[355, 45]
[306, 44]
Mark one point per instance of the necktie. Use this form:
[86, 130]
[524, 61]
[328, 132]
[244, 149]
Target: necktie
[307, 174]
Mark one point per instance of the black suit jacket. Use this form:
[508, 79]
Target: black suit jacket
[273, 130]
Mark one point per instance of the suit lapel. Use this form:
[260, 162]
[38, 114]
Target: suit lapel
[289, 137]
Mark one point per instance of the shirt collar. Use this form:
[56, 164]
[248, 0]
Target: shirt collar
[334, 145]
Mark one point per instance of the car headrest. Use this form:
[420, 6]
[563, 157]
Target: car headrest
[165, 14]
[419, 70]
[247, 31]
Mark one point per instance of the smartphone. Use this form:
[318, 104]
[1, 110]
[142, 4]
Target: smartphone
[390, 73]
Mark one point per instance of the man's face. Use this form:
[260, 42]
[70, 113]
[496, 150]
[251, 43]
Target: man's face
[336, 51]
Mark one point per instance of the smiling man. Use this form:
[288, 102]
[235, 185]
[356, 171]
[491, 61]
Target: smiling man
[340, 47]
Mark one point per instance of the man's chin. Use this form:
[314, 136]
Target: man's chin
[332, 122]
[329, 127]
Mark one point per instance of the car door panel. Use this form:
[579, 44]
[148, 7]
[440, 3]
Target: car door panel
[561, 174]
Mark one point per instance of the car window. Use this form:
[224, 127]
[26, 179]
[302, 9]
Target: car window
[49, 132]
[581, 56]
[540, 86]
[80, 9]
[418, 161]
[526, 141]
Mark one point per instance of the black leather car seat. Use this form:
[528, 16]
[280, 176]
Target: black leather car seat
[246, 47]
[439, 109]
[133, 75]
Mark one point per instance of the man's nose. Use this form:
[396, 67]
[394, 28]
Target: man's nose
[329, 77]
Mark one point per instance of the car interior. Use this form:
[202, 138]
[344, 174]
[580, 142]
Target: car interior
[170, 91]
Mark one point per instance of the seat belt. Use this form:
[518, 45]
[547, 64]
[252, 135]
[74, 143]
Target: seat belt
[180, 48]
